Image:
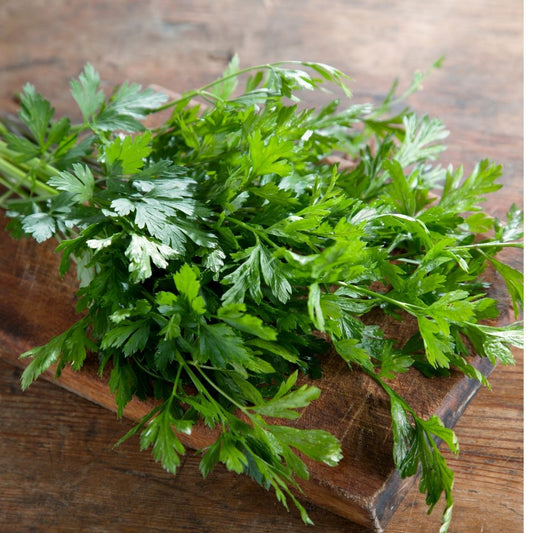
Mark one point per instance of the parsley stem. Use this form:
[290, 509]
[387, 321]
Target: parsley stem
[177, 381]
[410, 308]
[218, 389]
[512, 244]
[34, 163]
[222, 415]
[23, 178]
[145, 369]
[11, 188]
[258, 232]
[203, 90]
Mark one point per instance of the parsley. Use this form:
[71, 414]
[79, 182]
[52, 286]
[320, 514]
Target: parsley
[210, 250]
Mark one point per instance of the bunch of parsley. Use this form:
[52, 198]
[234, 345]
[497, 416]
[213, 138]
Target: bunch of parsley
[211, 251]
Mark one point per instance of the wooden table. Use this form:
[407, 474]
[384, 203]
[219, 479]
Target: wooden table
[58, 468]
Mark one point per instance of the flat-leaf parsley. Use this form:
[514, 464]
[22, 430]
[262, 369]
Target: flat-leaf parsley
[217, 251]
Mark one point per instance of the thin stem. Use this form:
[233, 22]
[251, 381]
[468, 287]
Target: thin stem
[146, 370]
[222, 415]
[191, 94]
[25, 197]
[410, 308]
[258, 232]
[219, 390]
[176, 380]
[512, 244]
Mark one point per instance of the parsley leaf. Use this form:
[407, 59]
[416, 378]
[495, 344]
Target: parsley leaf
[87, 93]
[79, 183]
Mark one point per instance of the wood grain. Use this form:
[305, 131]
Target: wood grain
[68, 482]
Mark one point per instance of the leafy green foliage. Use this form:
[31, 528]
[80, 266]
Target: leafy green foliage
[211, 250]
[79, 183]
[415, 447]
[160, 433]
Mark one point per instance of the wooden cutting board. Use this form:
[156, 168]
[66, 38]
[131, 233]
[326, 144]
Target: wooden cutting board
[36, 304]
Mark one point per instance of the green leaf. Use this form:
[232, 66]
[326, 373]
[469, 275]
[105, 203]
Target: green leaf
[160, 434]
[128, 152]
[43, 358]
[230, 455]
[142, 252]
[315, 310]
[87, 93]
[467, 195]
[122, 383]
[514, 281]
[402, 191]
[452, 306]
[235, 315]
[165, 354]
[210, 458]
[315, 443]
[249, 391]
[437, 342]
[514, 229]
[187, 284]
[23, 147]
[352, 351]
[331, 74]
[79, 183]
[422, 140]
[274, 276]
[435, 426]
[36, 113]
[392, 362]
[41, 226]
[274, 348]
[75, 348]
[413, 446]
[220, 344]
[127, 106]
[226, 88]
[494, 342]
[282, 405]
[246, 278]
[130, 336]
[268, 157]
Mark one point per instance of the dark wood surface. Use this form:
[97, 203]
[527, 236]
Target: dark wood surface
[58, 469]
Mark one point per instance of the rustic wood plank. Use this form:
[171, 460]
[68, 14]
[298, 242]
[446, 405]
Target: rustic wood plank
[60, 472]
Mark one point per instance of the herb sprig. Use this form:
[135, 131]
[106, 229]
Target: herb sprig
[212, 249]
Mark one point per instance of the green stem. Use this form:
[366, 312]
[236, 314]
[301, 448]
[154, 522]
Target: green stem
[34, 163]
[219, 390]
[176, 381]
[513, 244]
[11, 171]
[222, 415]
[201, 92]
[258, 232]
[410, 308]
[147, 370]
[8, 185]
